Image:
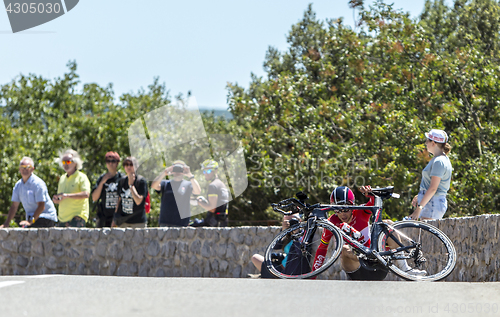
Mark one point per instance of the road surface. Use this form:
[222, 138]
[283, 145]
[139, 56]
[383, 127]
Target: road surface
[86, 296]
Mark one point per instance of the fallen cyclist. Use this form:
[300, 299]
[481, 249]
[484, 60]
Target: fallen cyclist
[356, 224]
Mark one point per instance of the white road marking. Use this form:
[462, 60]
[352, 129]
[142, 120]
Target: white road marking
[9, 283]
[42, 276]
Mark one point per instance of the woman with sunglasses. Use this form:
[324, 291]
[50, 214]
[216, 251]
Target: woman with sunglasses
[73, 191]
[431, 201]
[132, 191]
[105, 191]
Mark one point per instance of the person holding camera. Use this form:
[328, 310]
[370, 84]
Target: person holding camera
[175, 194]
[218, 197]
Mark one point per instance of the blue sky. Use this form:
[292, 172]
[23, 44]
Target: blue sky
[190, 45]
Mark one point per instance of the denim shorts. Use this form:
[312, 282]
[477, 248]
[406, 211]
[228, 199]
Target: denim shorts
[435, 208]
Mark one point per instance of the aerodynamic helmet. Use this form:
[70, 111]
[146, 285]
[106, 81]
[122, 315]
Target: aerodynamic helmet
[342, 195]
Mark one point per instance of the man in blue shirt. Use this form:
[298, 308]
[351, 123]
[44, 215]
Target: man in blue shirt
[32, 192]
[175, 194]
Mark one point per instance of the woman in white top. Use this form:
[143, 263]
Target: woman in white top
[431, 201]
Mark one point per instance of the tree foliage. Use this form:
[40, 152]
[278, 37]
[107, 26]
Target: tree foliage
[339, 106]
[41, 117]
[360, 102]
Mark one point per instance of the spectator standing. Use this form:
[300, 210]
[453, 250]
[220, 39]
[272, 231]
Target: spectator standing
[105, 191]
[32, 192]
[431, 201]
[73, 191]
[218, 198]
[175, 194]
[132, 190]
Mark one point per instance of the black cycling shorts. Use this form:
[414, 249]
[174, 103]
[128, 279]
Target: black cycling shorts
[368, 272]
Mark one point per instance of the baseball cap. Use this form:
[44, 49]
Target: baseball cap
[438, 136]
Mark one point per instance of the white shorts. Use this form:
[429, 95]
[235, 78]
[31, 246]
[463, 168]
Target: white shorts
[435, 208]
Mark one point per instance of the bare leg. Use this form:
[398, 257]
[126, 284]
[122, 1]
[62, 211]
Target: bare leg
[402, 264]
[349, 260]
[391, 243]
[257, 260]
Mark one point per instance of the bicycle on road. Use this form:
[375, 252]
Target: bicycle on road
[422, 245]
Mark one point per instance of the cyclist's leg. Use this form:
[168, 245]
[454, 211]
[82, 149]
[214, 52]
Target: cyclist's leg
[257, 260]
[434, 253]
[368, 272]
[349, 260]
[402, 264]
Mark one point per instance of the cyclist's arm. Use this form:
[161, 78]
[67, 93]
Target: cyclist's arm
[323, 246]
[321, 251]
[371, 202]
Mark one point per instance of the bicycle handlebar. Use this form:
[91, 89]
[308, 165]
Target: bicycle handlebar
[290, 206]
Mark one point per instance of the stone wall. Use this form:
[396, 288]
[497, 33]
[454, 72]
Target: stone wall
[476, 240]
[204, 252]
[188, 252]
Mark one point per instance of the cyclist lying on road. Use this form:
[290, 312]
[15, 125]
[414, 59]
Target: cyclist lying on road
[356, 224]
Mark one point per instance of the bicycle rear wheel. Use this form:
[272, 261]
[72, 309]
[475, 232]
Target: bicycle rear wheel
[299, 258]
[433, 261]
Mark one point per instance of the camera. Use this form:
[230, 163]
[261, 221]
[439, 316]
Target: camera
[178, 168]
[293, 221]
[277, 258]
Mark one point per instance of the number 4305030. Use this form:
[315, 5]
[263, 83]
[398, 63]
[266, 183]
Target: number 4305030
[33, 8]
[471, 308]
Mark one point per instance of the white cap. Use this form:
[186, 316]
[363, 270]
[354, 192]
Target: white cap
[438, 136]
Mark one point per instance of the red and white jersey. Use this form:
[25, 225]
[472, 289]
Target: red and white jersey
[360, 222]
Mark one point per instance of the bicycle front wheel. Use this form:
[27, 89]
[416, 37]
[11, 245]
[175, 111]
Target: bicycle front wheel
[434, 258]
[297, 262]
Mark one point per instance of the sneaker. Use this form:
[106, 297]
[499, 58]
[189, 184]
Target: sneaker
[402, 265]
[416, 272]
[254, 275]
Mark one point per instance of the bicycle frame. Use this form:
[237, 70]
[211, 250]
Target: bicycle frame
[404, 244]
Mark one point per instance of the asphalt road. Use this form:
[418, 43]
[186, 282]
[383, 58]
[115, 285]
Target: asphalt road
[56, 295]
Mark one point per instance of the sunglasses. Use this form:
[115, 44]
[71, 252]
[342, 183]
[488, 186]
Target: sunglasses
[207, 171]
[64, 162]
[25, 167]
[341, 211]
[111, 161]
[128, 164]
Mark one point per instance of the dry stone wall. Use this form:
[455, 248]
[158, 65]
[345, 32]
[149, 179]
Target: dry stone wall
[205, 252]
